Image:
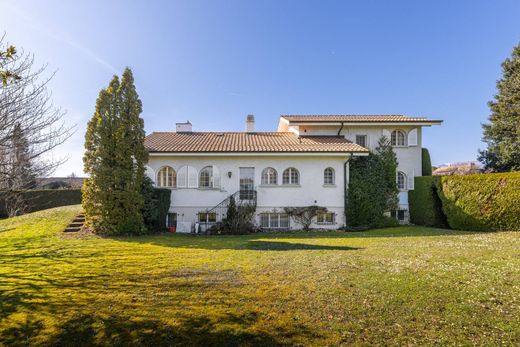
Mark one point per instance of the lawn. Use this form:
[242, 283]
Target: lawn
[407, 285]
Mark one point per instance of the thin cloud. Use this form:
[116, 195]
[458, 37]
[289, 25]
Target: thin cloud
[59, 36]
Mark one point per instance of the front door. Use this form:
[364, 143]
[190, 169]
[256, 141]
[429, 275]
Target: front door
[247, 183]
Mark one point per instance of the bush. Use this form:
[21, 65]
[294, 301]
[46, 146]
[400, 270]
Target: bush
[163, 197]
[425, 205]
[481, 202]
[37, 200]
[426, 162]
[156, 206]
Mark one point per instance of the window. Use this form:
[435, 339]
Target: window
[401, 180]
[398, 138]
[361, 140]
[269, 176]
[171, 220]
[328, 176]
[187, 177]
[399, 215]
[167, 177]
[291, 176]
[326, 217]
[206, 177]
[210, 217]
[274, 220]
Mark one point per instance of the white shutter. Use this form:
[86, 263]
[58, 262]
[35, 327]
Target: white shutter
[411, 180]
[182, 177]
[387, 134]
[216, 177]
[412, 137]
[193, 177]
[150, 173]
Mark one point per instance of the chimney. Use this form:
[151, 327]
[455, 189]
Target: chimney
[250, 123]
[183, 127]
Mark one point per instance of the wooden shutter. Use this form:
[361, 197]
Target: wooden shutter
[182, 177]
[412, 137]
[411, 180]
[193, 177]
[216, 177]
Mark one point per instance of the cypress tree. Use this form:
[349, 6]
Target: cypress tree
[114, 159]
[502, 134]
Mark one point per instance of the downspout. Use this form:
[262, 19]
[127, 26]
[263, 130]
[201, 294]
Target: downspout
[346, 180]
[341, 128]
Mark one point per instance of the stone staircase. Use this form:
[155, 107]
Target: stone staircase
[76, 224]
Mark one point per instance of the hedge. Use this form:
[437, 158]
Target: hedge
[481, 202]
[42, 199]
[426, 162]
[485, 202]
[163, 197]
[425, 205]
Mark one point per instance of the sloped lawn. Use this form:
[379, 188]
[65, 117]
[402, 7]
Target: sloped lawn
[409, 285]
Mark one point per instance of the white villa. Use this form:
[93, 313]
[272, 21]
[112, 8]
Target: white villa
[305, 162]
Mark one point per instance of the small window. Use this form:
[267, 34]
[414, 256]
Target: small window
[401, 180]
[274, 220]
[210, 217]
[361, 140]
[398, 138]
[171, 220]
[291, 176]
[398, 214]
[167, 177]
[326, 217]
[269, 176]
[206, 177]
[328, 176]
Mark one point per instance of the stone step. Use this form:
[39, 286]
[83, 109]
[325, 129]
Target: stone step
[72, 229]
[76, 224]
[78, 220]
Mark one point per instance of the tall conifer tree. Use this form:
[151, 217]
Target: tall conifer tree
[114, 159]
[502, 134]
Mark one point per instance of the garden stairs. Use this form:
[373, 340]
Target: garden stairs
[76, 224]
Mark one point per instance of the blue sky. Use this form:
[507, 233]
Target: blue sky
[213, 62]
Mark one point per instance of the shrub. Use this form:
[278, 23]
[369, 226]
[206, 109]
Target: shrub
[37, 200]
[238, 220]
[481, 202]
[163, 198]
[426, 162]
[304, 215]
[424, 203]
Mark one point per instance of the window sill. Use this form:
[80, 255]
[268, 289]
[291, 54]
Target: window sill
[329, 186]
[334, 223]
[291, 185]
[208, 188]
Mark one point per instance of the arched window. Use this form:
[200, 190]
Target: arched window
[167, 177]
[269, 176]
[328, 176]
[206, 177]
[398, 138]
[291, 176]
[401, 180]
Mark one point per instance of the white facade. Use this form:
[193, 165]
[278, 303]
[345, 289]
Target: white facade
[311, 190]
[189, 197]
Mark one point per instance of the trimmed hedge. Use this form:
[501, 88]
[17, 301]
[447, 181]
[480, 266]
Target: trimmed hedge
[47, 198]
[426, 162]
[485, 202]
[481, 202]
[424, 203]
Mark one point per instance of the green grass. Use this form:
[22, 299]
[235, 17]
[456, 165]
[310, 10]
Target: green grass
[407, 285]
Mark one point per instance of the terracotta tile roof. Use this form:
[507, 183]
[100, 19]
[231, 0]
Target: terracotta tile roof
[357, 118]
[246, 142]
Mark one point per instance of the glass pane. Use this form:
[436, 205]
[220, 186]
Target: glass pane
[247, 183]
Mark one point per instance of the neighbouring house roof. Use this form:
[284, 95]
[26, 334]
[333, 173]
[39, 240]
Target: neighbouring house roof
[358, 119]
[214, 142]
[470, 168]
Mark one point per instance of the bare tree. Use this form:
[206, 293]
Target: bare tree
[30, 128]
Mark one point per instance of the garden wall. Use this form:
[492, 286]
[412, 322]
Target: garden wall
[486, 202]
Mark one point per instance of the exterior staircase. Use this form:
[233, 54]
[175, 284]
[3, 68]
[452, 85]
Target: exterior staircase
[76, 224]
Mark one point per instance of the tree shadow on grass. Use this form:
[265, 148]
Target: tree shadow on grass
[289, 246]
[88, 329]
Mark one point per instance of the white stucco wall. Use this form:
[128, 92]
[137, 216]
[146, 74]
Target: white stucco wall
[409, 158]
[187, 202]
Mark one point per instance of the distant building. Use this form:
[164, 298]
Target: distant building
[454, 169]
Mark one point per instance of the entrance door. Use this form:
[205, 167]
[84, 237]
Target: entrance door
[247, 183]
